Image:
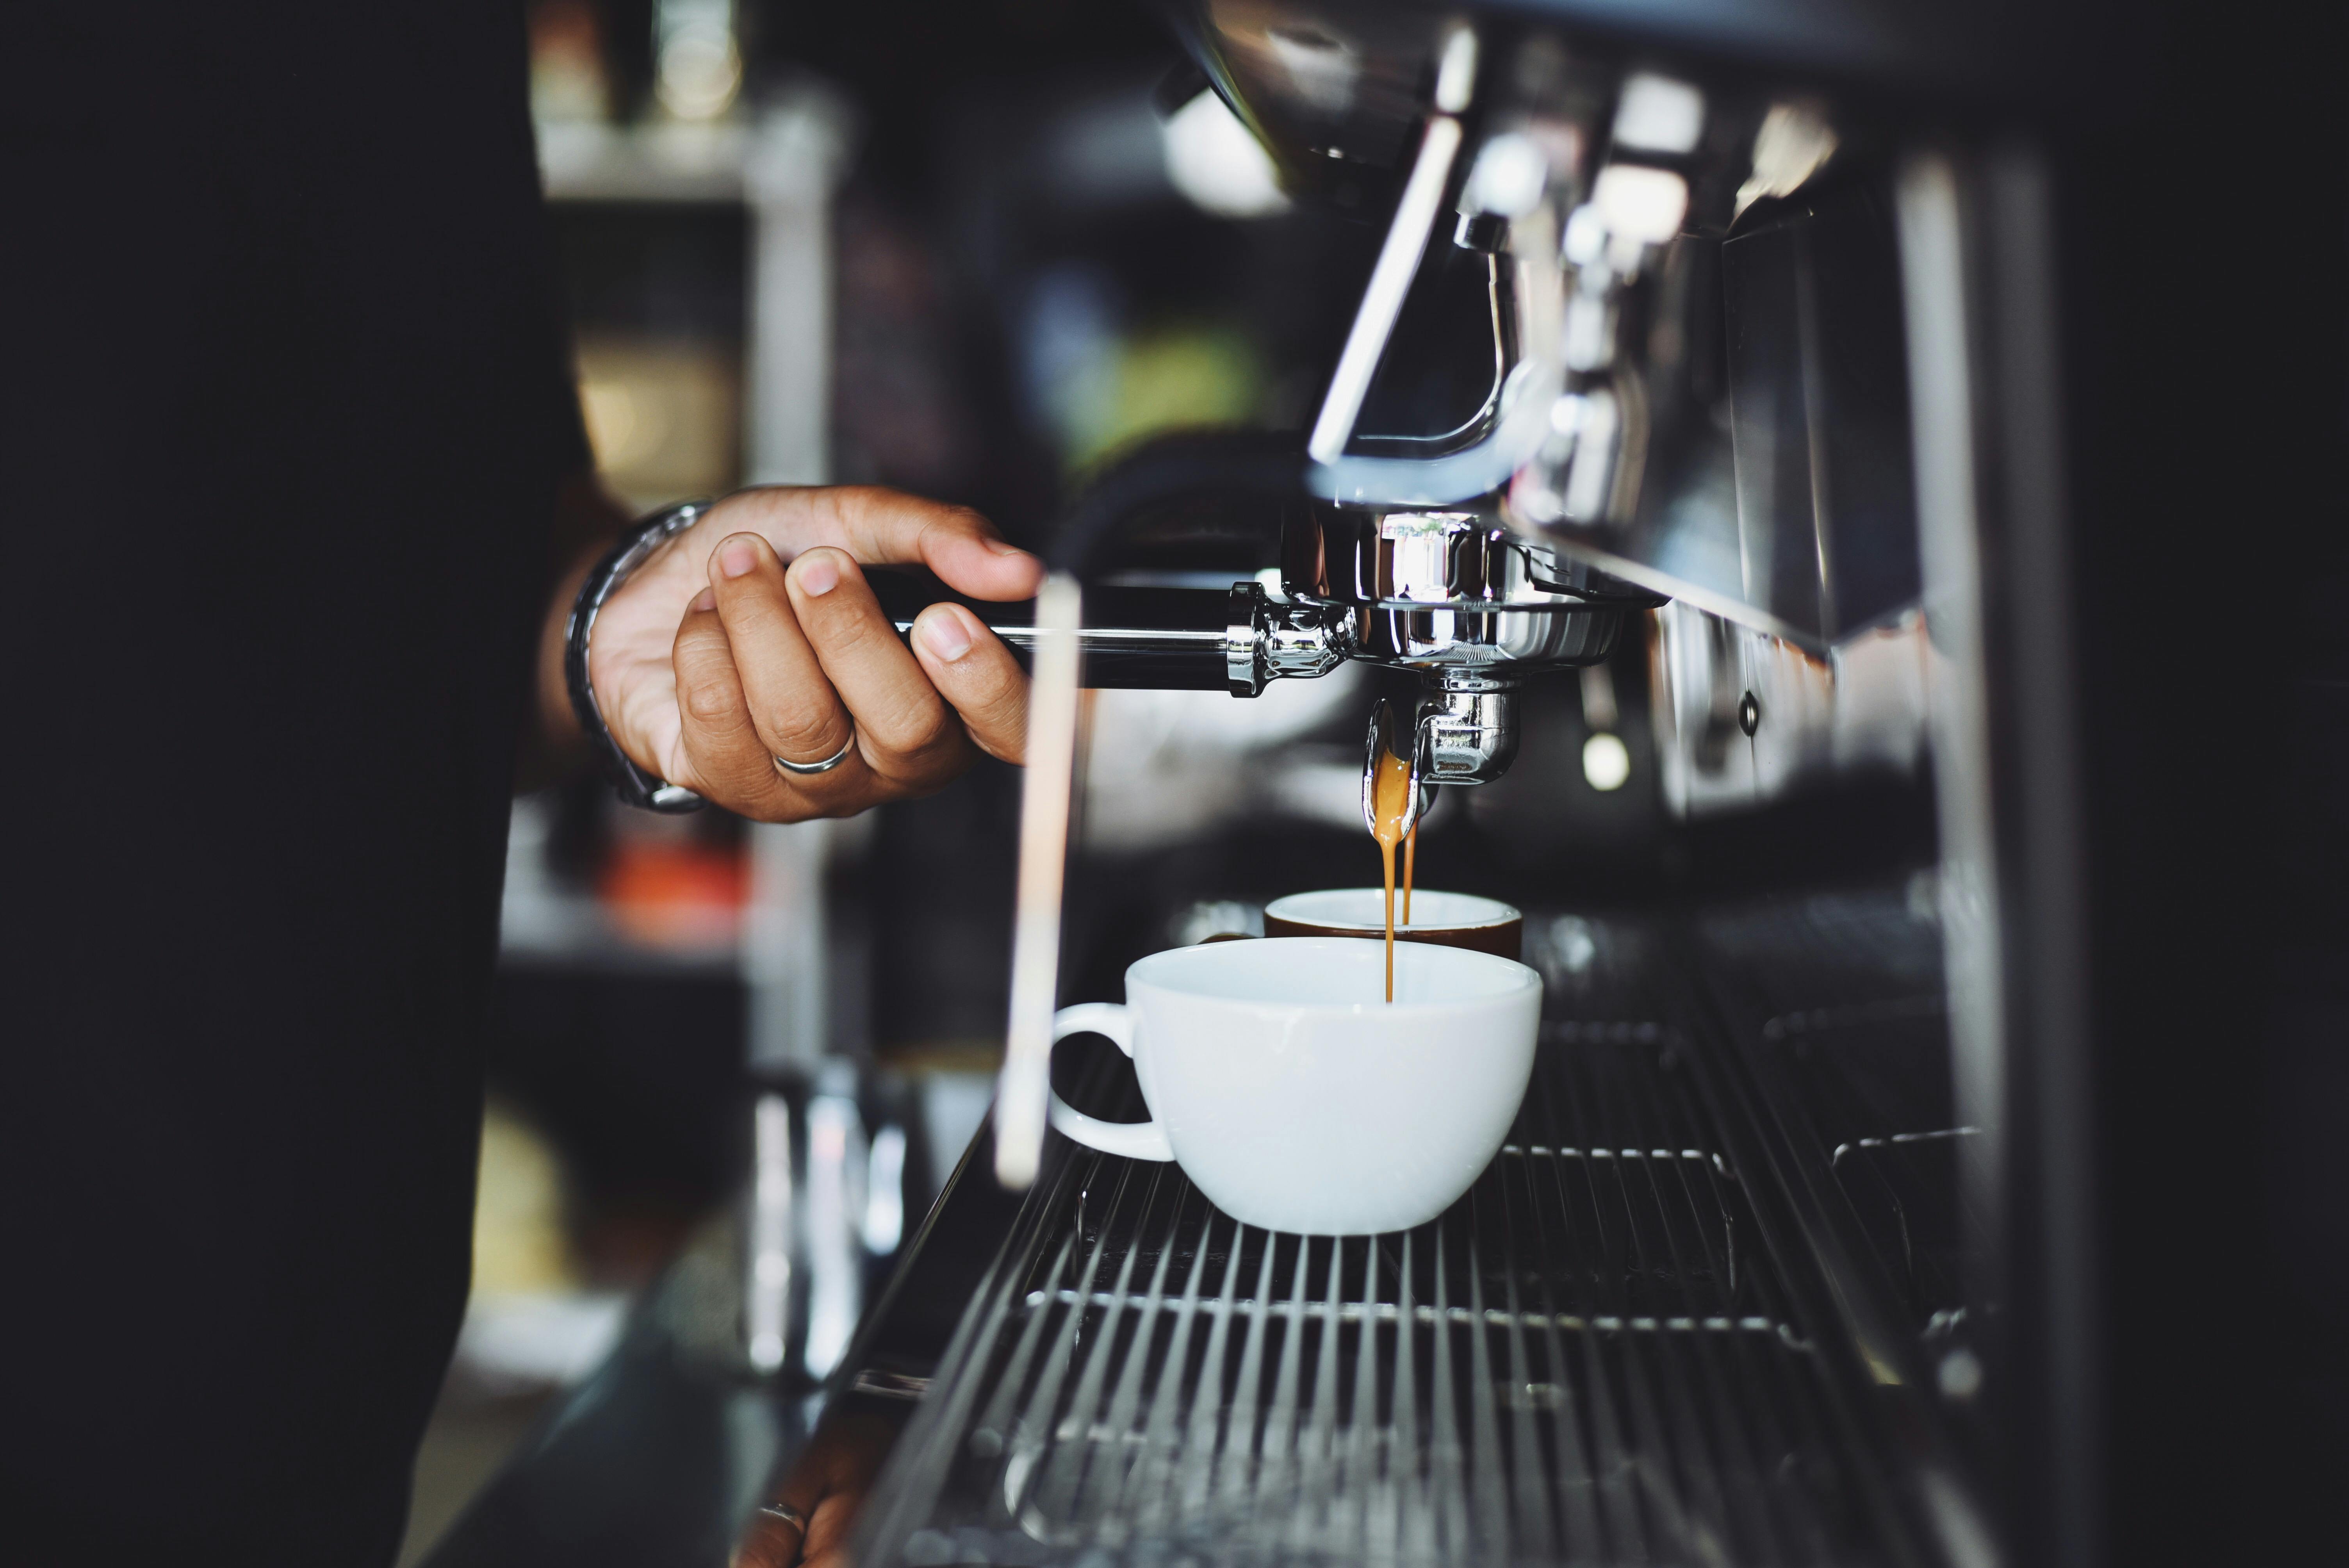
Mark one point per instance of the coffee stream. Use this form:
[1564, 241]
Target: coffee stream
[1391, 802]
[1410, 859]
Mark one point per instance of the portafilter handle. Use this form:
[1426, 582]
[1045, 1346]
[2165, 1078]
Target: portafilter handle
[1231, 639]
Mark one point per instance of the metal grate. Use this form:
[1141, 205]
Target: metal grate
[1840, 999]
[1589, 1359]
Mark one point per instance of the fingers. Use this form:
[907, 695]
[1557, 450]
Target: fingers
[707, 692]
[974, 671]
[722, 754]
[826, 1486]
[768, 1540]
[905, 731]
[828, 1530]
[797, 664]
[791, 702]
[886, 527]
[954, 542]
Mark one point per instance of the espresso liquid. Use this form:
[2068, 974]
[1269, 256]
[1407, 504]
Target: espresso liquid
[1409, 860]
[1390, 803]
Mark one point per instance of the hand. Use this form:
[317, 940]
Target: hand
[753, 636]
[825, 1485]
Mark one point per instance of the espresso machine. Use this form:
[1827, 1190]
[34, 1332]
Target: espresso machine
[1804, 1248]
[1856, 1212]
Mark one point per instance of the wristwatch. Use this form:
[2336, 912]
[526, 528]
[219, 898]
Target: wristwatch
[636, 546]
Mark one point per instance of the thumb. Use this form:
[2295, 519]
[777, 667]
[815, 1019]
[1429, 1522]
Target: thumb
[977, 674]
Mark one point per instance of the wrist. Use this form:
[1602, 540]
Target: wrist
[558, 724]
[640, 546]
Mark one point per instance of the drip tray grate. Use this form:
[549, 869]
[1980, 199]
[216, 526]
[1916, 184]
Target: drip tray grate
[1589, 1359]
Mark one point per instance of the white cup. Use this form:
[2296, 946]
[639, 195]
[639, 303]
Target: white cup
[1297, 1097]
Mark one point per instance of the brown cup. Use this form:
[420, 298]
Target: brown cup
[1445, 919]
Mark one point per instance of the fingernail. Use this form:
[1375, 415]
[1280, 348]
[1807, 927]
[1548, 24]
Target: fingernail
[704, 600]
[999, 547]
[736, 557]
[943, 635]
[819, 577]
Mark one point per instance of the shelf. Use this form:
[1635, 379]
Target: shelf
[790, 155]
[585, 160]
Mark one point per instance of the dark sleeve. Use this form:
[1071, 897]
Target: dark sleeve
[568, 446]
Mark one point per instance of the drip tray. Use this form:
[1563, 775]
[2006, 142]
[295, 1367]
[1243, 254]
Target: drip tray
[1591, 1358]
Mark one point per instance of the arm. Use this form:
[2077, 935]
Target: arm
[753, 636]
[586, 521]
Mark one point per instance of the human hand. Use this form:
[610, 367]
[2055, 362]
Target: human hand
[825, 1487]
[753, 636]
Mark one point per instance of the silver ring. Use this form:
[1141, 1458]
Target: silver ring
[788, 1514]
[803, 769]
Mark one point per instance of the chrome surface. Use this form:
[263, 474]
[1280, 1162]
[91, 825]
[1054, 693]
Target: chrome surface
[1468, 465]
[1590, 465]
[1411, 558]
[1943, 402]
[1266, 640]
[1452, 479]
[1415, 218]
[1503, 211]
[1699, 386]
[1743, 719]
[1467, 729]
[1261, 640]
[1451, 592]
[1294, 640]
[1244, 671]
[1454, 596]
[1495, 643]
[1388, 735]
[1733, 431]
[1978, 239]
[1204, 641]
[1488, 234]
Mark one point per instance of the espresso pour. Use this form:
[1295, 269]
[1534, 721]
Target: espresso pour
[1390, 797]
[1390, 805]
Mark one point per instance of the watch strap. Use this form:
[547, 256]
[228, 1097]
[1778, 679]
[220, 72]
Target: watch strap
[636, 546]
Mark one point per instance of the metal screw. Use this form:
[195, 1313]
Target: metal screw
[1749, 714]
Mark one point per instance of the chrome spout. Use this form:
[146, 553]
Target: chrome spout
[1467, 728]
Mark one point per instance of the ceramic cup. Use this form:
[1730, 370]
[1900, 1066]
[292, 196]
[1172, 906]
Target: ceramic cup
[1297, 1098]
[1450, 918]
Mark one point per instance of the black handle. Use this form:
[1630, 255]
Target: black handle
[1152, 639]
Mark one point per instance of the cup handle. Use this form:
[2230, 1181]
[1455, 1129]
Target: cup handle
[1133, 1140]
